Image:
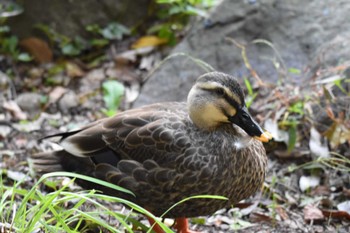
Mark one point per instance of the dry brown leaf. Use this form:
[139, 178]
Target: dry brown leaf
[337, 134]
[126, 57]
[346, 192]
[258, 217]
[336, 214]
[282, 212]
[243, 205]
[38, 48]
[312, 213]
[15, 110]
[73, 70]
[56, 93]
[321, 191]
[148, 41]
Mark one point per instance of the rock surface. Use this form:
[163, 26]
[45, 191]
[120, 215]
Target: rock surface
[30, 102]
[71, 17]
[304, 35]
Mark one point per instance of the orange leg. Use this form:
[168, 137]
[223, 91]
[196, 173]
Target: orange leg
[181, 226]
[156, 228]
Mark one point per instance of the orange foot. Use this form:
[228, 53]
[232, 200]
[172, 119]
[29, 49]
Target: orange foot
[156, 228]
[181, 226]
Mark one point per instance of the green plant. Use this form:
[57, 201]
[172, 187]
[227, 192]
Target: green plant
[175, 14]
[113, 31]
[68, 46]
[113, 92]
[336, 162]
[9, 45]
[32, 210]
[239, 223]
[9, 8]
[186, 7]
[75, 46]
[251, 93]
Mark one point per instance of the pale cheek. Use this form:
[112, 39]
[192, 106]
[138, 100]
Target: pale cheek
[232, 111]
[213, 114]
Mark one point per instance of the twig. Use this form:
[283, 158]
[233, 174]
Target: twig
[246, 61]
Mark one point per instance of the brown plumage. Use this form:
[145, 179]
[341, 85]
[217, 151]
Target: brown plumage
[166, 152]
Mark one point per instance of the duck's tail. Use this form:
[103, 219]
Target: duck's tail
[60, 160]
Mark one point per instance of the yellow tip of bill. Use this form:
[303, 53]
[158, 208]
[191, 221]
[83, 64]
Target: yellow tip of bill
[264, 137]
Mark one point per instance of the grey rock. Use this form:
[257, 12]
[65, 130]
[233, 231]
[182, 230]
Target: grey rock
[298, 30]
[71, 17]
[68, 101]
[30, 102]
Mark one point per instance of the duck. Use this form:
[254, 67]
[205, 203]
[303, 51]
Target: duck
[166, 152]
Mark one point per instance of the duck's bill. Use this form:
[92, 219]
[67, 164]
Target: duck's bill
[243, 119]
[264, 137]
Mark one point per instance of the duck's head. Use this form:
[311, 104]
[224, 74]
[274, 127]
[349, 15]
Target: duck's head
[216, 99]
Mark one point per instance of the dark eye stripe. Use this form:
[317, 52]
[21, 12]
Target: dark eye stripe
[224, 95]
[232, 96]
[232, 102]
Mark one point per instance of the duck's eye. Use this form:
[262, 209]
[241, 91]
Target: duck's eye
[245, 115]
[220, 92]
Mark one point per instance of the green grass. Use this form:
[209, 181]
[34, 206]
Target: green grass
[34, 210]
[336, 162]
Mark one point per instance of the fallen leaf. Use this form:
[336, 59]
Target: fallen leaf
[346, 192]
[306, 200]
[307, 182]
[8, 153]
[148, 62]
[5, 130]
[148, 41]
[344, 206]
[337, 134]
[258, 217]
[132, 92]
[17, 176]
[21, 142]
[336, 214]
[312, 213]
[241, 224]
[326, 203]
[73, 70]
[38, 48]
[56, 93]
[321, 191]
[278, 135]
[290, 198]
[282, 212]
[317, 148]
[15, 110]
[126, 57]
[248, 209]
[243, 205]
[29, 126]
